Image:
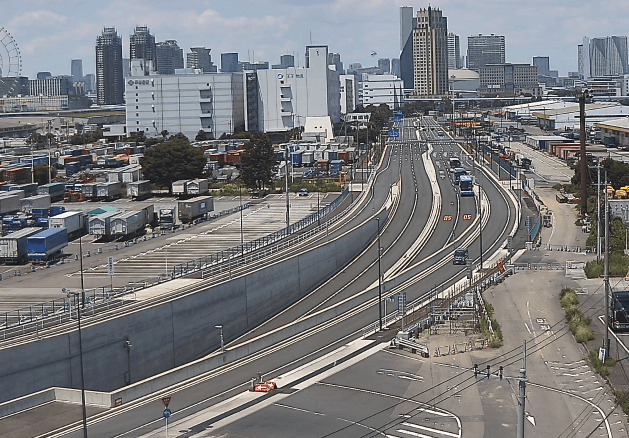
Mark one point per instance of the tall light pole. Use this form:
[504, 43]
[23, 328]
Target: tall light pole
[242, 239]
[287, 157]
[220, 327]
[78, 313]
[379, 278]
[584, 202]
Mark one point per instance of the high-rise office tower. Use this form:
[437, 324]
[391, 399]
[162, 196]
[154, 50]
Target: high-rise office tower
[109, 80]
[454, 51]
[406, 24]
[229, 62]
[430, 53]
[286, 61]
[335, 60]
[200, 58]
[384, 64]
[605, 56]
[169, 57]
[395, 67]
[76, 70]
[483, 50]
[142, 46]
[543, 65]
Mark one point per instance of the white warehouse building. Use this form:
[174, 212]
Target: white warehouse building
[186, 103]
[283, 98]
[378, 89]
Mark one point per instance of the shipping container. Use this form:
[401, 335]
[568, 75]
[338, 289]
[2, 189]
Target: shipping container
[46, 244]
[29, 189]
[323, 165]
[128, 223]
[55, 190]
[13, 246]
[179, 187]
[19, 193]
[195, 208]
[135, 159]
[131, 173]
[197, 187]
[108, 190]
[331, 155]
[89, 191]
[40, 212]
[100, 225]
[57, 209]
[35, 202]
[73, 221]
[234, 158]
[295, 158]
[139, 189]
[72, 168]
[9, 204]
[149, 215]
[307, 158]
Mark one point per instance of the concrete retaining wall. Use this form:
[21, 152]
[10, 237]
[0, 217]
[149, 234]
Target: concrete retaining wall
[173, 333]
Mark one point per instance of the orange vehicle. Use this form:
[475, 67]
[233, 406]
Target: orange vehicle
[264, 386]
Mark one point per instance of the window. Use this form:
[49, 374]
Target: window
[137, 122]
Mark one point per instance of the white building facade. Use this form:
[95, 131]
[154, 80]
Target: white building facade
[379, 89]
[185, 103]
[285, 97]
[348, 93]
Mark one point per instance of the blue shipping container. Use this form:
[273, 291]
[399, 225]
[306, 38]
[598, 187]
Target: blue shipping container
[40, 212]
[295, 157]
[7, 187]
[57, 209]
[46, 244]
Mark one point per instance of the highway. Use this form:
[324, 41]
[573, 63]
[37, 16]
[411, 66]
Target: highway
[428, 221]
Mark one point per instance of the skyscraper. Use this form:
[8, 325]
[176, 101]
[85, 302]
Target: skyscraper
[605, 56]
[285, 62]
[229, 62]
[142, 46]
[454, 51]
[109, 80]
[485, 49]
[335, 60]
[169, 57]
[430, 53]
[395, 67]
[543, 65]
[200, 58]
[406, 25]
[76, 70]
[384, 64]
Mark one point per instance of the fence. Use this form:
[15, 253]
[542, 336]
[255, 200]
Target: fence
[33, 318]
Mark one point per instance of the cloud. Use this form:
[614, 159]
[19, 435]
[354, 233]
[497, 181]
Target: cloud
[38, 18]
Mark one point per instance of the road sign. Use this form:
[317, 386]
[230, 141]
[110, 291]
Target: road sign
[167, 413]
[166, 400]
[393, 133]
[447, 217]
[467, 217]
[397, 119]
[110, 266]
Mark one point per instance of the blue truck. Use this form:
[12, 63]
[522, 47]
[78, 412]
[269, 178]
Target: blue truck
[46, 245]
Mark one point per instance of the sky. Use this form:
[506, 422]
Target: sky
[49, 33]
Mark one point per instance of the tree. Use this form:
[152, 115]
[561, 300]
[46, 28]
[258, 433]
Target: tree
[172, 160]
[201, 135]
[164, 133]
[40, 173]
[258, 162]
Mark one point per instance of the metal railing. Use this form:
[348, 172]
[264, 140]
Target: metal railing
[36, 317]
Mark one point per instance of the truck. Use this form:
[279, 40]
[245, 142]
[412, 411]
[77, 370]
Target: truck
[179, 187]
[139, 189]
[466, 185]
[197, 187]
[460, 256]
[522, 161]
[167, 218]
[13, 246]
[100, 225]
[457, 174]
[108, 190]
[195, 208]
[73, 221]
[89, 191]
[46, 244]
[55, 190]
[9, 203]
[38, 201]
[619, 308]
[128, 223]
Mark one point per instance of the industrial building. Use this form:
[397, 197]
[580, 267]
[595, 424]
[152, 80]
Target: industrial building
[379, 89]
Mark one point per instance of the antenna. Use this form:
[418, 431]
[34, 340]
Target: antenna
[311, 37]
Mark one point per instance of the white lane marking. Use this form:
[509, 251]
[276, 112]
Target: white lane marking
[527, 328]
[431, 430]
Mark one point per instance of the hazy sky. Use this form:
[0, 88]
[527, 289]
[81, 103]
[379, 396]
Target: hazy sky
[50, 33]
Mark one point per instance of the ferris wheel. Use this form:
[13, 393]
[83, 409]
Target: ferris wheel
[10, 62]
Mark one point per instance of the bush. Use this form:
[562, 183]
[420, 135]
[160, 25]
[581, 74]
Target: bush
[577, 321]
[618, 266]
[599, 366]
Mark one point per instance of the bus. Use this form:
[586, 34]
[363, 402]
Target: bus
[454, 163]
[466, 185]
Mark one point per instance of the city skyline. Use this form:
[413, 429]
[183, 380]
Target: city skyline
[51, 34]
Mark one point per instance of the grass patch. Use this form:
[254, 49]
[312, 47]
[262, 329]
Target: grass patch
[622, 398]
[495, 339]
[618, 266]
[579, 323]
[599, 366]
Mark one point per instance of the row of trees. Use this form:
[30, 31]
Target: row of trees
[175, 159]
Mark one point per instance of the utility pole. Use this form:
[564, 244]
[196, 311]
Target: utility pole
[606, 272]
[287, 157]
[598, 213]
[584, 202]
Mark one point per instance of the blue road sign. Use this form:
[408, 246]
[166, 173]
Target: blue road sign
[392, 298]
[167, 413]
[398, 113]
[394, 133]
[397, 119]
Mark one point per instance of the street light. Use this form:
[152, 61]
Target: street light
[220, 327]
[242, 241]
[379, 278]
[78, 313]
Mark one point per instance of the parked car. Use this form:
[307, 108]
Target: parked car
[303, 192]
